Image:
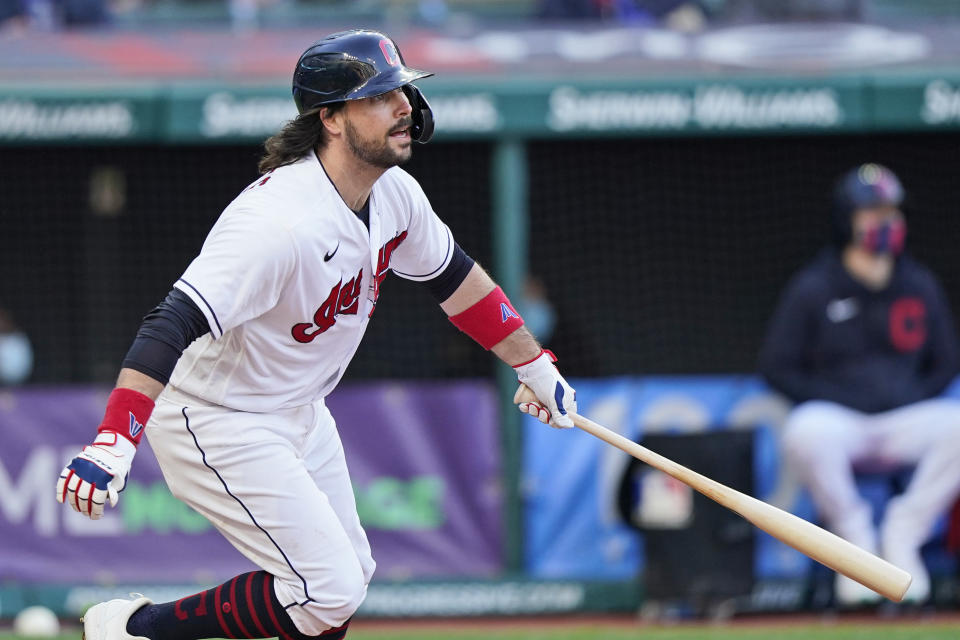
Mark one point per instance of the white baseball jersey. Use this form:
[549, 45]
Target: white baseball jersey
[288, 279]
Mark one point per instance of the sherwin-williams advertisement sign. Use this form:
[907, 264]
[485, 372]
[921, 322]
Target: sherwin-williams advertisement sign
[426, 481]
[488, 108]
[49, 114]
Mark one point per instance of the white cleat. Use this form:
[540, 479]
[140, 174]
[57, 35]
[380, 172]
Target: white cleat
[901, 540]
[910, 561]
[850, 594]
[108, 620]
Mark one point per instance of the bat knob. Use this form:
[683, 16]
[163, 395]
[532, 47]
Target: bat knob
[524, 394]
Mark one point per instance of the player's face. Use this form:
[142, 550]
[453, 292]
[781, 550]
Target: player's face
[869, 218]
[879, 230]
[377, 129]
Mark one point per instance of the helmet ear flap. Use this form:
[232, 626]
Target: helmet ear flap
[420, 112]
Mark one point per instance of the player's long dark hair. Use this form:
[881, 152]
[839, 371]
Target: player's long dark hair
[296, 139]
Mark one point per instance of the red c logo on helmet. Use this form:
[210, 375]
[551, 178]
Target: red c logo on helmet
[390, 53]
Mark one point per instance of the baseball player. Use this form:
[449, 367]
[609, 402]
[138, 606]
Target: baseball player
[227, 376]
[863, 341]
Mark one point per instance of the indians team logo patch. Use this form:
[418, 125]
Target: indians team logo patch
[135, 427]
[506, 312]
[390, 53]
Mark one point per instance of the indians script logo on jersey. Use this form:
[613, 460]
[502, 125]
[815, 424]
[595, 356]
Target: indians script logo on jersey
[135, 427]
[343, 298]
[383, 265]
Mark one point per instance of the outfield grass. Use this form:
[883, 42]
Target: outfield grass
[920, 631]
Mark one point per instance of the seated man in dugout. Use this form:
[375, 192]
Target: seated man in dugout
[864, 343]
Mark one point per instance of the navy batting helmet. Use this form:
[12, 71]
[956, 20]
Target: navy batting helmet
[869, 185]
[355, 64]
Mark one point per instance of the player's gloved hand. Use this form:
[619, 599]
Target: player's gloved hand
[556, 398]
[98, 474]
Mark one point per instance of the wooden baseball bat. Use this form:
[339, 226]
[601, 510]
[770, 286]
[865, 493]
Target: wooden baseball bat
[831, 550]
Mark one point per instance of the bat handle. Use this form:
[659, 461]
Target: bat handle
[524, 394]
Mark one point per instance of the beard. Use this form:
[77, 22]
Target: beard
[377, 153]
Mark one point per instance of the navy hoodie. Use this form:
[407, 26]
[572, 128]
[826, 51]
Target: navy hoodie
[832, 338]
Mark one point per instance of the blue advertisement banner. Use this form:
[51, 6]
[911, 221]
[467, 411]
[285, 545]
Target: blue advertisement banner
[574, 528]
[427, 485]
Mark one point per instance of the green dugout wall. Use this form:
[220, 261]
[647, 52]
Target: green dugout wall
[487, 108]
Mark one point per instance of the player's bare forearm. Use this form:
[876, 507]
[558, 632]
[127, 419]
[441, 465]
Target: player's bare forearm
[133, 379]
[518, 347]
[474, 287]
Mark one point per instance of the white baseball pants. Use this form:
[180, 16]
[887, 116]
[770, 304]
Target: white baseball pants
[277, 487]
[826, 441]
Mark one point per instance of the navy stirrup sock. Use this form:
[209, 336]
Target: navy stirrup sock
[244, 607]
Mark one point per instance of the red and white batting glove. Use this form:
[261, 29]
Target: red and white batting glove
[99, 473]
[557, 398]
